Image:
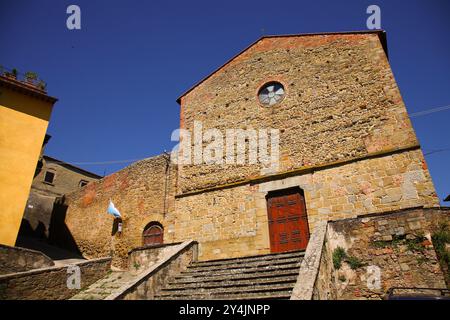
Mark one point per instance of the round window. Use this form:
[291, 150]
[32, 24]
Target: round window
[271, 93]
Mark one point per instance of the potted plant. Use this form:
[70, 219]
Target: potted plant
[42, 85]
[12, 74]
[31, 77]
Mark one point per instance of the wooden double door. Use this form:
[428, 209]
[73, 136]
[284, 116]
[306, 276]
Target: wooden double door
[288, 222]
[153, 235]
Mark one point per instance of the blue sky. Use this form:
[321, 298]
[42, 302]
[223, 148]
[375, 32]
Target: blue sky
[118, 77]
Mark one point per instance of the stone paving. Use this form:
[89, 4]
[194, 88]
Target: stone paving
[106, 286]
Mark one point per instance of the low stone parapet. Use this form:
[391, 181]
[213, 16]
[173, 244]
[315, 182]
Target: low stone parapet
[51, 283]
[17, 259]
[142, 258]
[169, 263]
[363, 258]
[309, 269]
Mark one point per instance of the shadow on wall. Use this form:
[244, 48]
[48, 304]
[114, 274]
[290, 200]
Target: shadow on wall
[59, 233]
[51, 237]
[26, 230]
[37, 216]
[56, 240]
[117, 226]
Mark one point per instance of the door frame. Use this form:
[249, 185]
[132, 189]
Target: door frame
[282, 192]
[153, 224]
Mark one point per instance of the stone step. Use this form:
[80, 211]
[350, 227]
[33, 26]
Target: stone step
[279, 295]
[271, 276]
[266, 290]
[231, 283]
[239, 271]
[232, 277]
[265, 257]
[244, 265]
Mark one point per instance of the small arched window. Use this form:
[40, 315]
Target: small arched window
[153, 234]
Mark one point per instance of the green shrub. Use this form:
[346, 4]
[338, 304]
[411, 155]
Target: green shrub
[339, 255]
[415, 245]
[31, 75]
[42, 85]
[354, 262]
[440, 238]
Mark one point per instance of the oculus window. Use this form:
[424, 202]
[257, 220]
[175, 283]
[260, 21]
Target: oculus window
[271, 93]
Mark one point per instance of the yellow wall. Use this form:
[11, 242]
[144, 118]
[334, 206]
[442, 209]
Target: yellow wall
[23, 124]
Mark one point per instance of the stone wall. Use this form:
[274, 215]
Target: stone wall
[16, 259]
[346, 140]
[138, 192]
[50, 283]
[226, 223]
[37, 216]
[67, 178]
[142, 258]
[309, 269]
[233, 221]
[341, 102]
[38, 210]
[324, 287]
[396, 246]
[170, 262]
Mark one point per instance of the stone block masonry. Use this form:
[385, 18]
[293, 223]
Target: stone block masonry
[232, 222]
[17, 259]
[142, 258]
[399, 245]
[226, 223]
[143, 192]
[50, 283]
[345, 140]
[309, 269]
[341, 103]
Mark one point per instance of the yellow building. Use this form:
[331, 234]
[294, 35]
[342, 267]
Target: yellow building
[24, 115]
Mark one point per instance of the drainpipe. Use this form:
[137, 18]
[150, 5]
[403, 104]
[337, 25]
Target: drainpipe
[166, 157]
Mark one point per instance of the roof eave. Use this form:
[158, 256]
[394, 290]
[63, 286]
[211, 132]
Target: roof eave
[66, 164]
[26, 89]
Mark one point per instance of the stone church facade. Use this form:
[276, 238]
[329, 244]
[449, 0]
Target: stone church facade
[346, 149]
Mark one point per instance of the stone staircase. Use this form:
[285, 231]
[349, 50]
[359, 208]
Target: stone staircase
[270, 276]
[104, 287]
